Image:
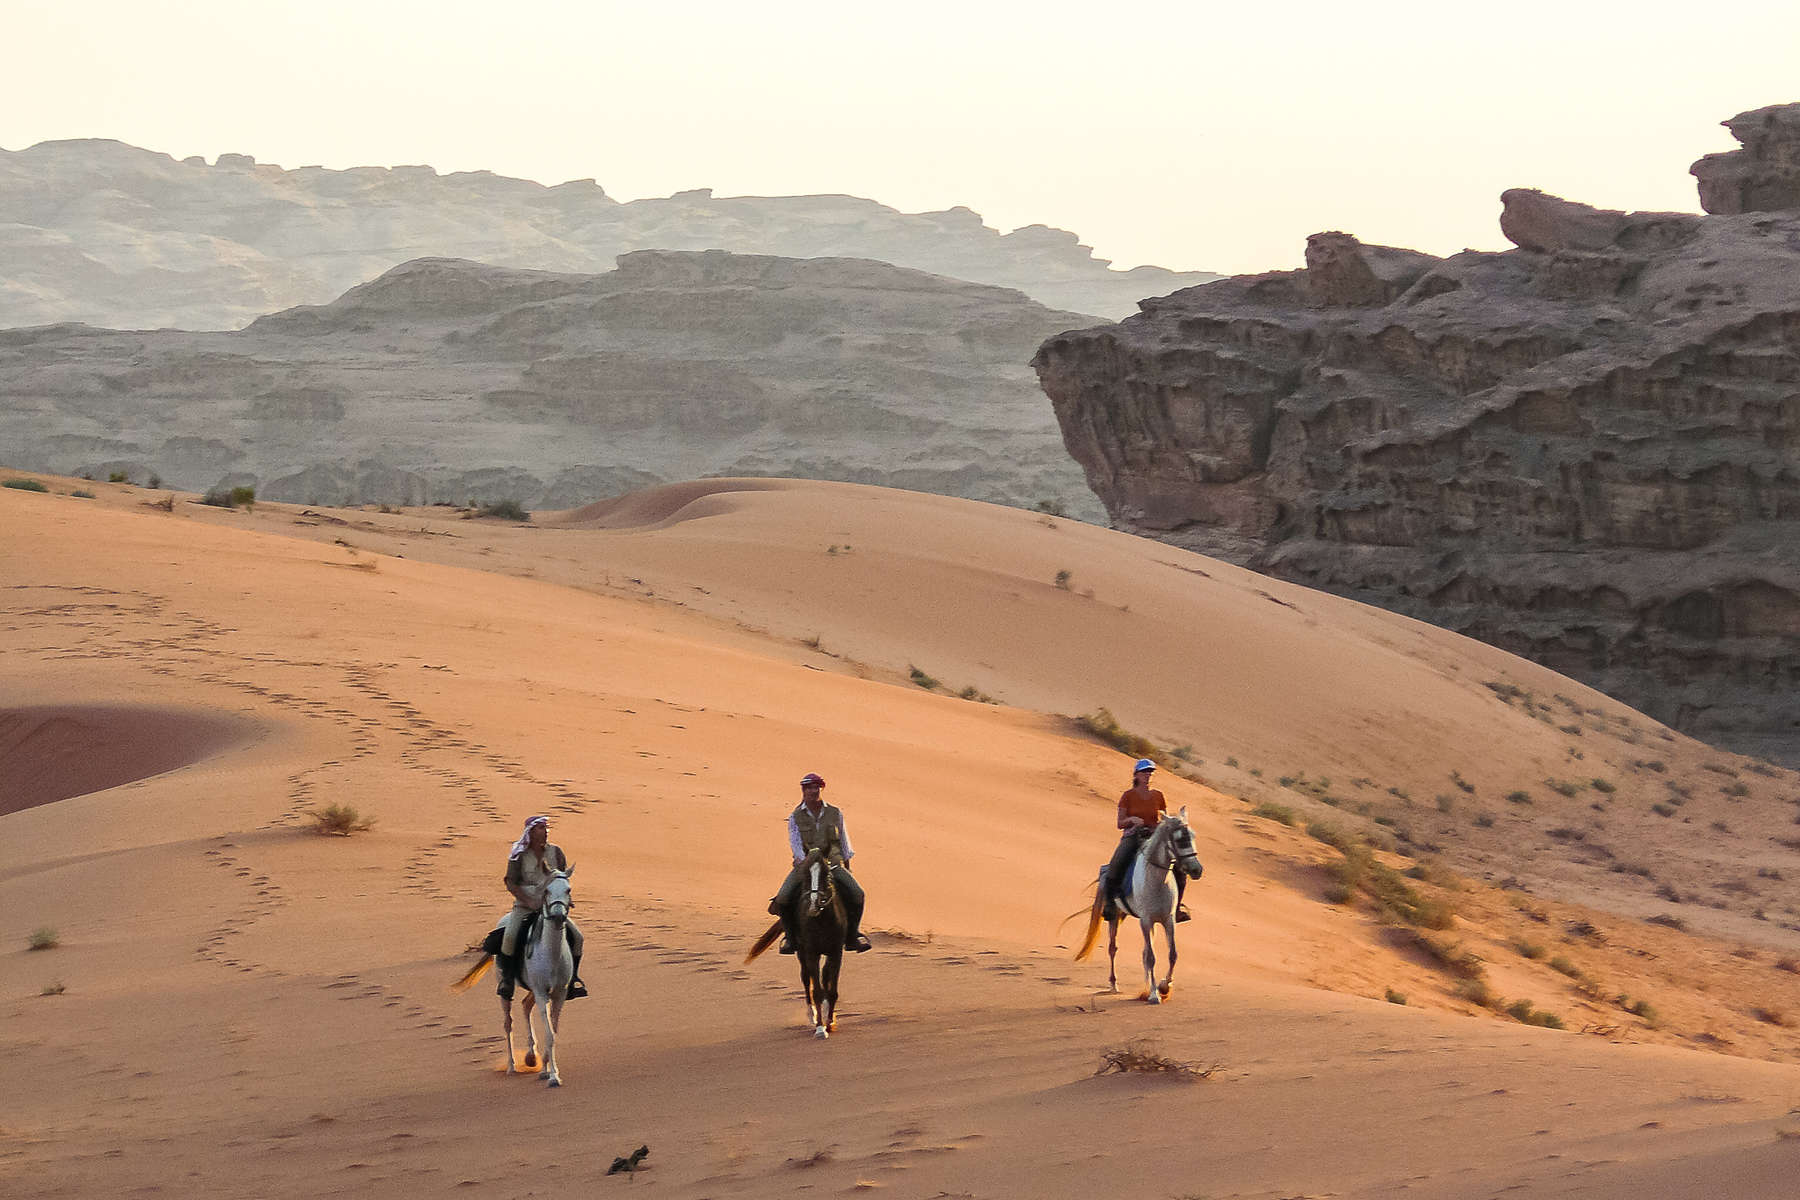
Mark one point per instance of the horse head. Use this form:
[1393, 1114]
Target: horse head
[1181, 843]
[558, 896]
[819, 887]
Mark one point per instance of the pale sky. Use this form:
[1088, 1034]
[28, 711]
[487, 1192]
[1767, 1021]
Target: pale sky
[1193, 135]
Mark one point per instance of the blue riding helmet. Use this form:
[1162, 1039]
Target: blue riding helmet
[1143, 764]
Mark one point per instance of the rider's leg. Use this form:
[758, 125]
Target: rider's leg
[505, 961]
[1121, 863]
[852, 894]
[577, 989]
[783, 906]
[1181, 912]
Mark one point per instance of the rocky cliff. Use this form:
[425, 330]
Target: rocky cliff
[108, 234]
[1585, 450]
[451, 380]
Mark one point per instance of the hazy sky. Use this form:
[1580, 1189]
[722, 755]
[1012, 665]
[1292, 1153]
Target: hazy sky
[1192, 135]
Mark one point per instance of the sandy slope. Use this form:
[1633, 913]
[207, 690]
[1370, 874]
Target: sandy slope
[248, 1009]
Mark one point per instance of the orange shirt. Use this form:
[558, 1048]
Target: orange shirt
[1147, 804]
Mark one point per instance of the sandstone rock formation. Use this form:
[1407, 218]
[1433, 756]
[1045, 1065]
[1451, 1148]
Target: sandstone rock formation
[1585, 450]
[108, 234]
[1764, 176]
[450, 380]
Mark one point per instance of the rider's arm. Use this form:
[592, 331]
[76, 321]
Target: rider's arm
[844, 839]
[799, 851]
[1127, 819]
[514, 882]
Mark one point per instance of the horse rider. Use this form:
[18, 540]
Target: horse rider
[816, 825]
[528, 868]
[1140, 808]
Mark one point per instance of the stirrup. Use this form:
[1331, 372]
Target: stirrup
[1182, 914]
[577, 990]
[787, 947]
[859, 943]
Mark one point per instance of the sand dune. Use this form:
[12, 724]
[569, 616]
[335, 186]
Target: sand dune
[240, 1007]
[52, 753]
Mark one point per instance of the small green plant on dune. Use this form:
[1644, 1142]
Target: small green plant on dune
[505, 510]
[1519, 797]
[43, 939]
[119, 477]
[922, 679]
[81, 495]
[1103, 725]
[1062, 579]
[1606, 786]
[53, 989]
[1394, 997]
[1275, 812]
[237, 497]
[1524, 1012]
[24, 485]
[340, 820]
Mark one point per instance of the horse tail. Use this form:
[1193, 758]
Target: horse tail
[474, 974]
[1093, 930]
[764, 942]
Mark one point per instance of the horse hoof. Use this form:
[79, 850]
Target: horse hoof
[820, 1033]
[1163, 989]
[531, 1060]
[1153, 998]
[554, 1083]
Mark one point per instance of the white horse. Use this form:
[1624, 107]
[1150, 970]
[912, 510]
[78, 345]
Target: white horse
[547, 968]
[1150, 897]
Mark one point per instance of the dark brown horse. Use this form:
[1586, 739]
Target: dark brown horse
[819, 926]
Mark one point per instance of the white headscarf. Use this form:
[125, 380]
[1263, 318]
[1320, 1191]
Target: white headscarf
[525, 837]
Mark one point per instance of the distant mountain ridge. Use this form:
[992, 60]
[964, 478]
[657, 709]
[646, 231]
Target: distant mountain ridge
[445, 379]
[108, 234]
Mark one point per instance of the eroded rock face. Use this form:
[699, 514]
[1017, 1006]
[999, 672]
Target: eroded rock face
[105, 233]
[450, 380]
[1586, 450]
[1764, 176]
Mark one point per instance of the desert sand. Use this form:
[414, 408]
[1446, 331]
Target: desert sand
[238, 1006]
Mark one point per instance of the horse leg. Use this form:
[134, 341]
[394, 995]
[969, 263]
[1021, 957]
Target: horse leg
[1150, 965]
[551, 1007]
[1112, 955]
[1168, 982]
[833, 965]
[526, 1006]
[506, 1027]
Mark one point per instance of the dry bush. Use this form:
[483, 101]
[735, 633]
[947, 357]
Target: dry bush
[44, 939]
[1103, 725]
[1275, 812]
[340, 820]
[1142, 1058]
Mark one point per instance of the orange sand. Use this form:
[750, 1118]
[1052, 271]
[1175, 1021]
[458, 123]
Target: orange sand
[246, 1008]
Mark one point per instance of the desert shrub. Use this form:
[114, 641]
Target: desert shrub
[1484, 820]
[1394, 997]
[1519, 797]
[1461, 783]
[53, 989]
[1062, 579]
[43, 939]
[1185, 752]
[237, 497]
[1772, 1016]
[118, 477]
[1524, 1012]
[1668, 920]
[24, 485]
[1143, 1058]
[1737, 791]
[1052, 506]
[340, 820]
[1477, 991]
[155, 481]
[1103, 725]
[1603, 785]
[1639, 1008]
[1763, 767]
[505, 510]
[82, 495]
[1451, 956]
[1662, 810]
[1790, 965]
[1232, 763]
[1528, 949]
[1275, 812]
[922, 679]
[1566, 787]
[1719, 769]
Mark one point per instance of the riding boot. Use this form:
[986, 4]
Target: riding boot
[787, 932]
[503, 967]
[1181, 912]
[577, 989]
